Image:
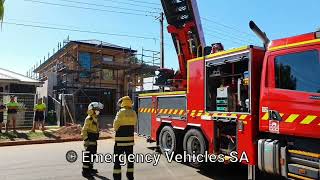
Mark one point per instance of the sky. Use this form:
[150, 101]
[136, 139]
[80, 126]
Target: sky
[225, 21]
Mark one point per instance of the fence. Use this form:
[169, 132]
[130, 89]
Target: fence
[25, 113]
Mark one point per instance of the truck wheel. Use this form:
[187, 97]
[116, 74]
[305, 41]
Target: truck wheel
[167, 140]
[194, 144]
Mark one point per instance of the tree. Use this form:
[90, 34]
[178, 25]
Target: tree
[1, 11]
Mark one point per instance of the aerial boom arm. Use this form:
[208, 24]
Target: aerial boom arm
[186, 30]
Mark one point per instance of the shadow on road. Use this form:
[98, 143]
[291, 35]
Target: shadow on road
[231, 171]
[154, 148]
[50, 135]
[220, 171]
[101, 177]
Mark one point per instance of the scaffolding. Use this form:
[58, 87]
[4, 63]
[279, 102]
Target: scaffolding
[75, 92]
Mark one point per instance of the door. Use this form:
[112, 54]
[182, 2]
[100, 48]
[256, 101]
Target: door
[292, 102]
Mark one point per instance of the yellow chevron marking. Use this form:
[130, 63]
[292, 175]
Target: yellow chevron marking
[308, 119]
[266, 116]
[200, 113]
[146, 110]
[214, 114]
[310, 154]
[160, 111]
[281, 114]
[165, 111]
[207, 114]
[170, 111]
[242, 117]
[175, 111]
[224, 114]
[152, 110]
[245, 122]
[181, 112]
[149, 110]
[193, 112]
[234, 115]
[141, 109]
[292, 118]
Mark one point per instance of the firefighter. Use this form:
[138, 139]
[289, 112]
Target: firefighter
[90, 135]
[12, 110]
[123, 125]
[39, 110]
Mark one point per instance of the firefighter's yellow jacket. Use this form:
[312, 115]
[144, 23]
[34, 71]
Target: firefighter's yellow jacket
[123, 125]
[125, 117]
[90, 130]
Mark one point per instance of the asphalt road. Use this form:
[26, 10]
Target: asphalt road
[48, 161]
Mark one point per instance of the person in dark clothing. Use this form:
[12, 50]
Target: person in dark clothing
[2, 109]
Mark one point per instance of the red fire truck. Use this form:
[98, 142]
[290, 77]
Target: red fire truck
[261, 101]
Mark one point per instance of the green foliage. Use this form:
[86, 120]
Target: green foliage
[1, 11]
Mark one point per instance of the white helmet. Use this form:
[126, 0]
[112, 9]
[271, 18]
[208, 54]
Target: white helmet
[95, 105]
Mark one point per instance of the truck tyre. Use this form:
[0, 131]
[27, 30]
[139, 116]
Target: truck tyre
[194, 143]
[167, 140]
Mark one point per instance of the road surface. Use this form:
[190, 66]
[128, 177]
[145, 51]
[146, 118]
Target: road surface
[48, 161]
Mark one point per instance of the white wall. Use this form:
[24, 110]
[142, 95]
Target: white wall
[47, 87]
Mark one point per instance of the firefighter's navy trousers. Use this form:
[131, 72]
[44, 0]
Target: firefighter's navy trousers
[118, 150]
[90, 146]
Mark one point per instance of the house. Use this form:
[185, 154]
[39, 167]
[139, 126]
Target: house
[24, 88]
[86, 71]
[12, 82]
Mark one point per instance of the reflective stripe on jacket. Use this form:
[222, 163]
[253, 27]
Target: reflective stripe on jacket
[123, 125]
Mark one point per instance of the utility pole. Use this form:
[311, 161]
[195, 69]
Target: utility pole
[161, 41]
[161, 20]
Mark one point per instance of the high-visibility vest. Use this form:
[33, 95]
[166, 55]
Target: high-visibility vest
[40, 107]
[123, 125]
[12, 107]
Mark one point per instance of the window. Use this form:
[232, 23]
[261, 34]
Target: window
[107, 74]
[85, 62]
[298, 71]
[107, 58]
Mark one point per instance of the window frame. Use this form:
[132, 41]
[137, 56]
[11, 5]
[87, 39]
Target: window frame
[272, 65]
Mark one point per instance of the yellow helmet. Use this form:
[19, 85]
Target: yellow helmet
[125, 102]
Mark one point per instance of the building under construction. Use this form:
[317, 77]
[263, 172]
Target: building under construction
[84, 71]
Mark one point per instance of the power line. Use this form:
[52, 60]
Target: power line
[152, 3]
[42, 23]
[81, 31]
[227, 26]
[144, 2]
[229, 35]
[107, 6]
[88, 8]
[137, 5]
[232, 40]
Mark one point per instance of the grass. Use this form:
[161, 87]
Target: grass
[26, 135]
